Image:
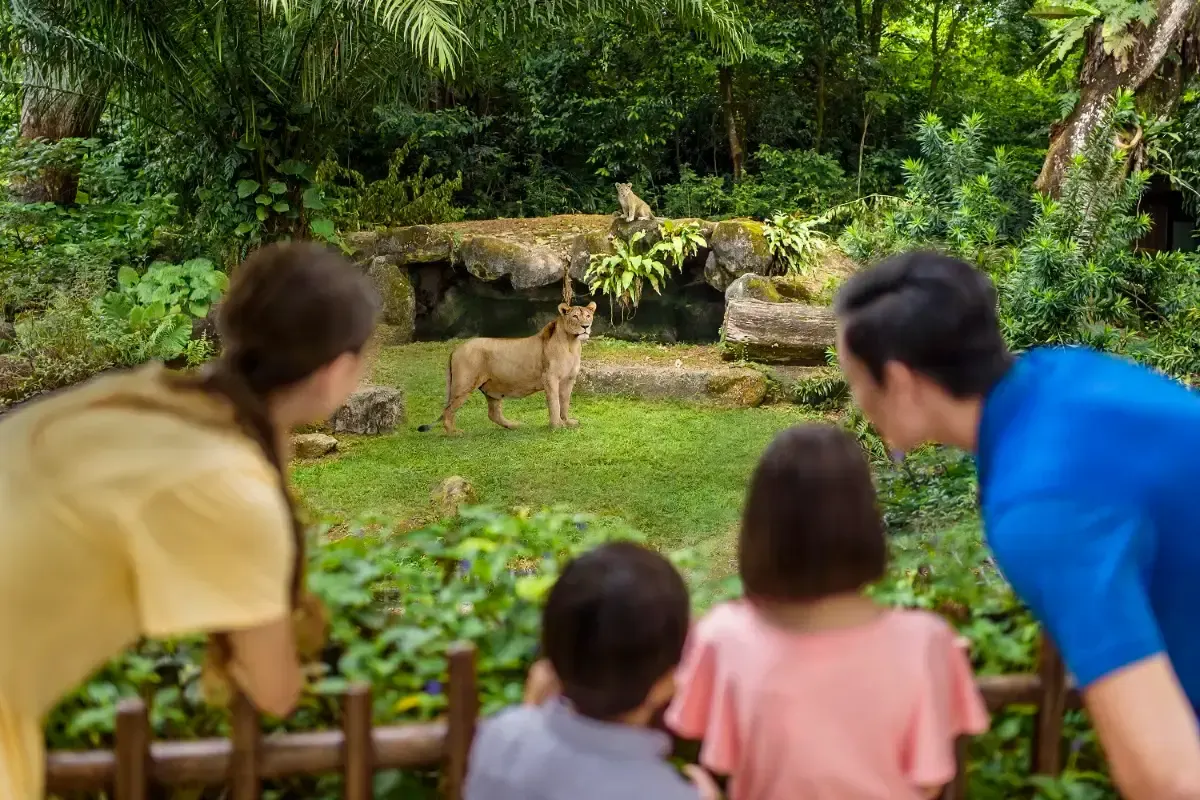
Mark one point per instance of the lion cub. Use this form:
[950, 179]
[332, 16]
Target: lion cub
[547, 361]
[632, 206]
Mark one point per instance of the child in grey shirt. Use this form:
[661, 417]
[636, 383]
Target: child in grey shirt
[613, 632]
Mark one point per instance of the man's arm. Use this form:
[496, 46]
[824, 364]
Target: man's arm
[1076, 566]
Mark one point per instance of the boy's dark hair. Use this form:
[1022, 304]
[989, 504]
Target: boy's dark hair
[614, 624]
[935, 314]
[811, 527]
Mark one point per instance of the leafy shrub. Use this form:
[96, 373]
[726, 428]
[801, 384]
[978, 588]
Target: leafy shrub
[622, 275]
[46, 249]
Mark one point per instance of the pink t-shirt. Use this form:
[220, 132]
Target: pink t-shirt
[864, 713]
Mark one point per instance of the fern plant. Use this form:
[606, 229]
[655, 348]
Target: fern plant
[149, 316]
[797, 243]
[1116, 18]
[622, 275]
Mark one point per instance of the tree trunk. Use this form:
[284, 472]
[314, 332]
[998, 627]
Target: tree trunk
[1100, 76]
[58, 104]
[729, 111]
[822, 58]
[785, 332]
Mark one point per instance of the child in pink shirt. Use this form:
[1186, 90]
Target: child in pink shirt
[806, 689]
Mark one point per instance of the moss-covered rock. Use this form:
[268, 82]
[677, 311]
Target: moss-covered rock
[528, 266]
[627, 230]
[14, 372]
[417, 244]
[362, 244]
[737, 386]
[737, 247]
[399, 300]
[583, 248]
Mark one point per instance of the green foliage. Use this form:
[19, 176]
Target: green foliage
[149, 316]
[955, 199]
[797, 244]
[1118, 21]
[45, 248]
[399, 199]
[622, 275]
[1076, 278]
[397, 603]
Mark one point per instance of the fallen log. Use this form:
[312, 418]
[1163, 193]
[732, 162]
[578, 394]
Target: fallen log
[767, 320]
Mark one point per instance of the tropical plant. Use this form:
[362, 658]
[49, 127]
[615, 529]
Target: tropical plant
[622, 274]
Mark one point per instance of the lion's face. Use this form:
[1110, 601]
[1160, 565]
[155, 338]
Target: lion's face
[577, 320]
[624, 188]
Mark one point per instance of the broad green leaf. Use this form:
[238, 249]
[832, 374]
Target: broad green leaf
[246, 188]
[277, 187]
[127, 276]
[323, 227]
[312, 199]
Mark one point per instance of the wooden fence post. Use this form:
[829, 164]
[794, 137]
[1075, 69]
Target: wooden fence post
[957, 788]
[463, 698]
[1049, 723]
[132, 778]
[359, 769]
[247, 745]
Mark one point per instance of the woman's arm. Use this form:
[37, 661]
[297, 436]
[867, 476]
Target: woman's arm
[264, 665]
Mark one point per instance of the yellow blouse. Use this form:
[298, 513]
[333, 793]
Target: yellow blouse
[127, 508]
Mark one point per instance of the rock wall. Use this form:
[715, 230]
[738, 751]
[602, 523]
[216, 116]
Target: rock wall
[504, 277]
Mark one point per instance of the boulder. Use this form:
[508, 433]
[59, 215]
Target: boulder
[583, 248]
[528, 266]
[737, 247]
[313, 445]
[370, 410]
[7, 331]
[362, 244]
[399, 299]
[626, 230]
[766, 320]
[452, 494]
[416, 244]
[738, 386]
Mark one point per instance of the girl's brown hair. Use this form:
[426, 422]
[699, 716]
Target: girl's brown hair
[291, 309]
[811, 526]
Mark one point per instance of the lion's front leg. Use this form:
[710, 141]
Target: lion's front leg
[565, 390]
[553, 387]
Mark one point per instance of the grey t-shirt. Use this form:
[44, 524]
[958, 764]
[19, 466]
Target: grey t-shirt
[549, 752]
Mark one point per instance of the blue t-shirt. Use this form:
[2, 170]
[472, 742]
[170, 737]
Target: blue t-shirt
[1089, 467]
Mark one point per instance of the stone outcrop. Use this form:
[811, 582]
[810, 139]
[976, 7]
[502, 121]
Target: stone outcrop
[536, 252]
[736, 247]
[768, 320]
[399, 299]
[371, 410]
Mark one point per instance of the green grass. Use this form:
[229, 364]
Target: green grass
[677, 472]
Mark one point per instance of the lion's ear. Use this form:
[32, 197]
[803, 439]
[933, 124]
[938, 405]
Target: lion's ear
[563, 308]
[591, 306]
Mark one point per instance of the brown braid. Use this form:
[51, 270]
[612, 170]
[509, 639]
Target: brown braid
[291, 309]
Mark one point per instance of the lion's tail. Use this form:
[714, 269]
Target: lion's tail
[449, 381]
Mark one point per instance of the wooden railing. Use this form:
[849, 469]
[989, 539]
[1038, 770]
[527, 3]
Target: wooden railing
[359, 749]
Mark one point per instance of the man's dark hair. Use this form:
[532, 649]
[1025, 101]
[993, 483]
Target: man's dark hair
[935, 314]
[614, 624]
[811, 527]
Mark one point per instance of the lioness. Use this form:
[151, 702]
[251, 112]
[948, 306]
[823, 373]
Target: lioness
[547, 361]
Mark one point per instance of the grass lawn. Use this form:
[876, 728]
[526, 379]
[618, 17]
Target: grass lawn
[675, 471]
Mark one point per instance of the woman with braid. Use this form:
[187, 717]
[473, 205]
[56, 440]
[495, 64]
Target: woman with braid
[148, 503]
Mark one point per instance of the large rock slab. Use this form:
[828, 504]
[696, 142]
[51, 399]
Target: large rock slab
[490, 258]
[728, 386]
[371, 410]
[399, 298]
[765, 321]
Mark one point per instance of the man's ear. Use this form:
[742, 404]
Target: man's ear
[591, 306]
[563, 308]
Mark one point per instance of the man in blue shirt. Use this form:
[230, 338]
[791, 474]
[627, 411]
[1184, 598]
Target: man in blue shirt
[1087, 463]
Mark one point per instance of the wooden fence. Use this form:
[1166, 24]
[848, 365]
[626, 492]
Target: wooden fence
[359, 749]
